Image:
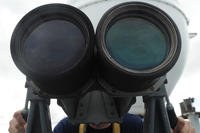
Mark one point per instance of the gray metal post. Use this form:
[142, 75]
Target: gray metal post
[189, 112]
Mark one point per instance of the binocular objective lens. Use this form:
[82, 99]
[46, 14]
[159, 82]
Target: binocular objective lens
[54, 45]
[136, 43]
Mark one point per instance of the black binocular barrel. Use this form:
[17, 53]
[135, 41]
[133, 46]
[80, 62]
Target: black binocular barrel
[53, 46]
[137, 42]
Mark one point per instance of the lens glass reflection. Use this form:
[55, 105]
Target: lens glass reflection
[54, 46]
[136, 43]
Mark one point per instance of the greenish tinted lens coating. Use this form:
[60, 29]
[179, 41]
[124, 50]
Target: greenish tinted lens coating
[136, 43]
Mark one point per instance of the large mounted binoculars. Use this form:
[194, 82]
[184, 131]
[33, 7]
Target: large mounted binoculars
[56, 47]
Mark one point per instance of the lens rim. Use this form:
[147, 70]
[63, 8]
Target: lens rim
[149, 13]
[43, 14]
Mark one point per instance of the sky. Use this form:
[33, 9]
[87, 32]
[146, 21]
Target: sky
[12, 91]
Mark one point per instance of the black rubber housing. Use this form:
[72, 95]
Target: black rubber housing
[66, 79]
[125, 79]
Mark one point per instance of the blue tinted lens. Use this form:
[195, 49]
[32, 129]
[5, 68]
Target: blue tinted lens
[136, 44]
[54, 45]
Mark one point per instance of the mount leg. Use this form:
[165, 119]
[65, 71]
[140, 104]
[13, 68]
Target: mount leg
[156, 119]
[149, 115]
[38, 119]
[163, 115]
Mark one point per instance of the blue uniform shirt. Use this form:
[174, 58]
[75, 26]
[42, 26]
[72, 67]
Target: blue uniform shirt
[130, 124]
